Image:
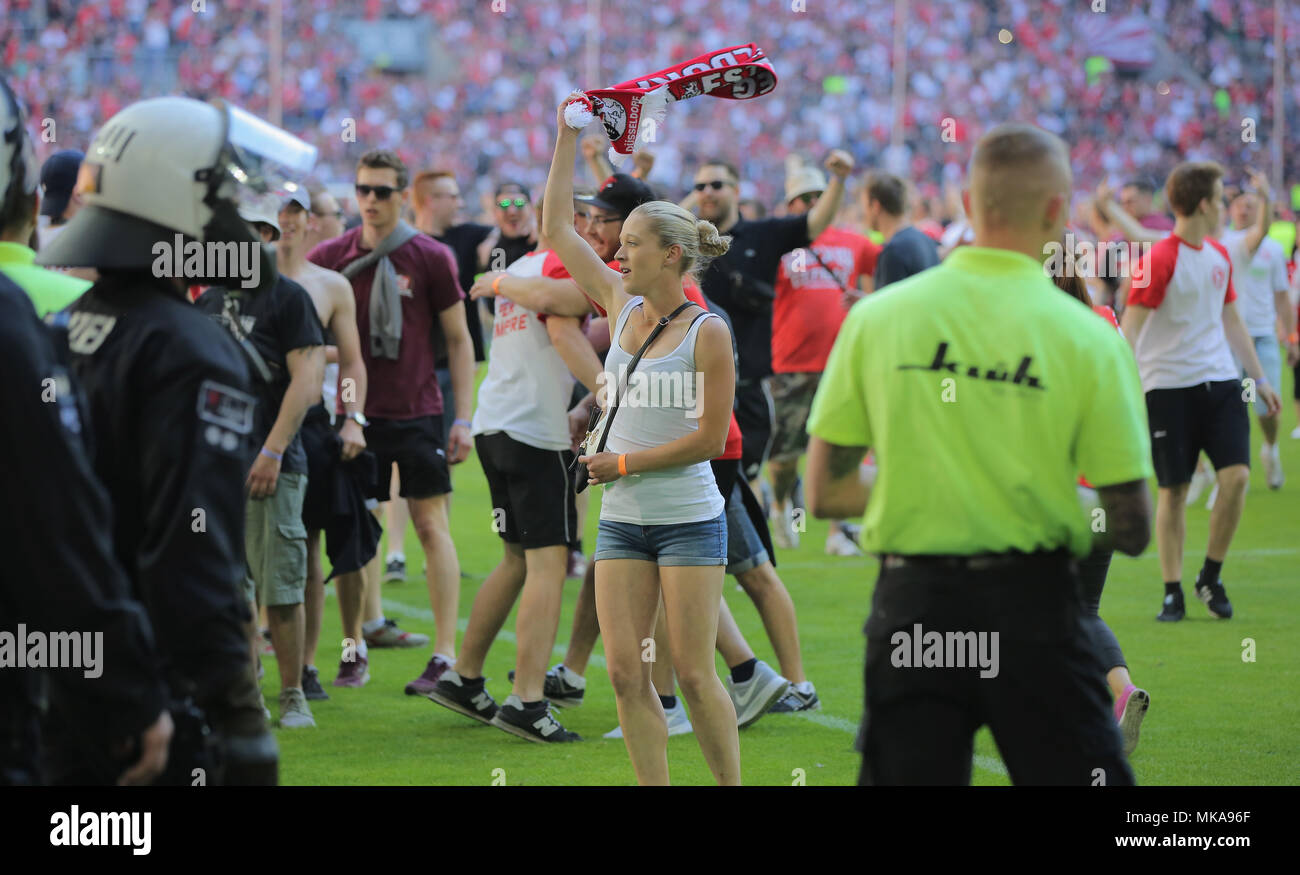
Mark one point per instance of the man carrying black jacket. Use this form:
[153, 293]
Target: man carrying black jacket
[169, 391]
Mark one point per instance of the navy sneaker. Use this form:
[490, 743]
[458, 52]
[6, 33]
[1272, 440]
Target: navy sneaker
[534, 724]
[471, 699]
[311, 687]
[1173, 609]
[562, 688]
[1215, 598]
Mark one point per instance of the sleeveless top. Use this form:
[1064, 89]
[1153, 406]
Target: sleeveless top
[661, 403]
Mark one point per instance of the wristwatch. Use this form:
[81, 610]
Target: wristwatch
[359, 418]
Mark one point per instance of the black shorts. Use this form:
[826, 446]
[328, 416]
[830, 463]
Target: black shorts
[755, 416]
[1208, 416]
[416, 446]
[532, 499]
[321, 445]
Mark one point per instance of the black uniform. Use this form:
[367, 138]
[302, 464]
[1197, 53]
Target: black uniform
[743, 281]
[172, 417]
[61, 575]
[464, 240]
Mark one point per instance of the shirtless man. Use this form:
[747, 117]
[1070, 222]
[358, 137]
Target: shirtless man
[336, 308]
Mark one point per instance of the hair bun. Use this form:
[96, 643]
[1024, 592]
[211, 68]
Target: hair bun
[712, 244]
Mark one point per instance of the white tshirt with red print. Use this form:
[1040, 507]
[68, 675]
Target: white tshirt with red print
[527, 388]
[1183, 343]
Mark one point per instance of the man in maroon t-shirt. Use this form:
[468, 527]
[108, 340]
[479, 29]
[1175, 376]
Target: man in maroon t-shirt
[404, 406]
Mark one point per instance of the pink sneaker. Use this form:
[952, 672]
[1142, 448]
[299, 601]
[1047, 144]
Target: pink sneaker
[428, 679]
[353, 674]
[1130, 708]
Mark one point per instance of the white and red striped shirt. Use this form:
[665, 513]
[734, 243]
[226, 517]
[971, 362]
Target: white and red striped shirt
[1183, 343]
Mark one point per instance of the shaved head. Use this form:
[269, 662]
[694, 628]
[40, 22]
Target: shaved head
[1020, 183]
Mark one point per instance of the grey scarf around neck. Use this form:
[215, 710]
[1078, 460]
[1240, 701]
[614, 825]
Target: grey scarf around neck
[385, 297]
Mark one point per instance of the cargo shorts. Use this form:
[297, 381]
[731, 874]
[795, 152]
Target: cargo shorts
[275, 544]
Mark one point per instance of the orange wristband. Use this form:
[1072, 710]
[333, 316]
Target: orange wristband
[497, 282]
[622, 465]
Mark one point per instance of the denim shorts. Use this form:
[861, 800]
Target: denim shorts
[745, 549]
[701, 543]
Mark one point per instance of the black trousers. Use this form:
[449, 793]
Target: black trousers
[1046, 700]
[1092, 578]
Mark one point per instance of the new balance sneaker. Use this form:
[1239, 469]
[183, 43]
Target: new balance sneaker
[753, 697]
[802, 697]
[295, 713]
[1202, 478]
[1215, 598]
[471, 699]
[839, 544]
[678, 722]
[577, 566]
[311, 687]
[395, 569]
[424, 684]
[1271, 456]
[563, 688]
[353, 672]
[391, 635]
[1130, 708]
[1173, 608]
[534, 724]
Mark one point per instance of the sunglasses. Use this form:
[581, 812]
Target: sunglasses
[715, 185]
[338, 214]
[507, 203]
[382, 192]
[601, 221]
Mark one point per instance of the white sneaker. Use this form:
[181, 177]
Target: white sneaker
[1214, 494]
[783, 533]
[678, 722]
[1272, 459]
[839, 544]
[294, 711]
[753, 697]
[1201, 479]
[1295, 433]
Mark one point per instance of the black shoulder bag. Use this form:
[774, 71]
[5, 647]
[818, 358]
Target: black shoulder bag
[599, 424]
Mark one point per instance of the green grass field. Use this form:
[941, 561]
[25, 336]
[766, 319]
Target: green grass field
[1215, 719]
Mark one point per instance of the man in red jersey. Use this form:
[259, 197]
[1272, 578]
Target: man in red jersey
[815, 287]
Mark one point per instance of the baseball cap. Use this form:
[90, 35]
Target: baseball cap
[296, 194]
[620, 194]
[58, 179]
[803, 180]
[263, 210]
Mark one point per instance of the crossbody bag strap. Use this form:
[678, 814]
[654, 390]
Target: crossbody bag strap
[828, 269]
[658, 329]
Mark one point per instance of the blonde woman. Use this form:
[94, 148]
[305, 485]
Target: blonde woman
[662, 526]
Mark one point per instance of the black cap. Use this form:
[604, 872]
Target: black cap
[58, 179]
[620, 194]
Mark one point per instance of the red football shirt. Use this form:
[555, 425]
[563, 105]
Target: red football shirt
[405, 388]
[809, 306]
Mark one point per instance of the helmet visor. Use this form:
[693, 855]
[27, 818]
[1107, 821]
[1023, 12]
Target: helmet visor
[263, 161]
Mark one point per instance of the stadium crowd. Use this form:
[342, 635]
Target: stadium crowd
[64, 53]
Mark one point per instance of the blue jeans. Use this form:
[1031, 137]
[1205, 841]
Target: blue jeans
[702, 543]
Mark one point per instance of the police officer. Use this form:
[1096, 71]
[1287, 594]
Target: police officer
[61, 575]
[169, 395]
[981, 427]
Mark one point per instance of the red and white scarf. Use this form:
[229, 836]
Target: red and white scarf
[737, 73]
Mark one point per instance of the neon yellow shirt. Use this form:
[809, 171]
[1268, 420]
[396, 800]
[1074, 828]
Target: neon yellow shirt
[49, 290]
[984, 391]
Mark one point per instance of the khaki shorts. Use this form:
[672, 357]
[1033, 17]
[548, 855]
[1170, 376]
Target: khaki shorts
[275, 544]
[792, 396]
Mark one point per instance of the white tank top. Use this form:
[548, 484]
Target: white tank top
[662, 403]
[527, 389]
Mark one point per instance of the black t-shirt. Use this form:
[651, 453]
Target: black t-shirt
[907, 252]
[743, 282]
[464, 240]
[276, 321]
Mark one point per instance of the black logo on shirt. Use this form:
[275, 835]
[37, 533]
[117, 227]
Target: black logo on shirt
[997, 374]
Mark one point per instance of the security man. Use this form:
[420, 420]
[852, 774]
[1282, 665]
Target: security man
[61, 576]
[985, 392]
[170, 400]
